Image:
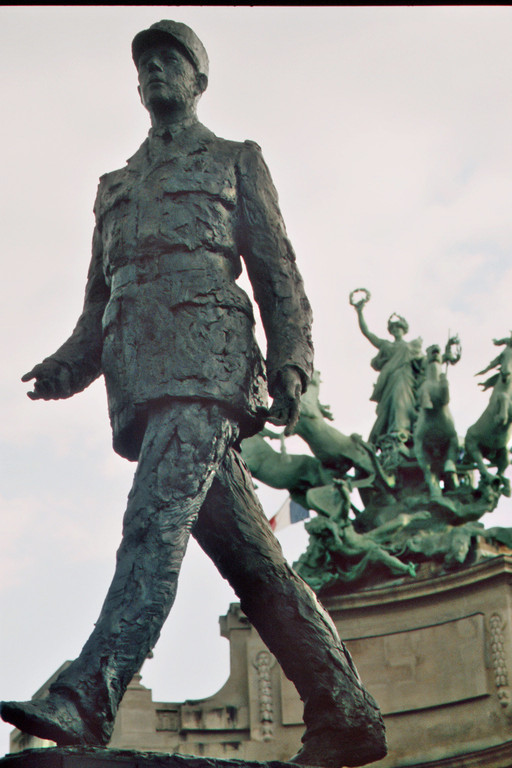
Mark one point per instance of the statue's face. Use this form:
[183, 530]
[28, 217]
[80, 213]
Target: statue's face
[167, 79]
[396, 330]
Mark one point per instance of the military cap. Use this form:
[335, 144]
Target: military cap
[178, 32]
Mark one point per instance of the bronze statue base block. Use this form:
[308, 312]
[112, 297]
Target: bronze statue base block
[100, 757]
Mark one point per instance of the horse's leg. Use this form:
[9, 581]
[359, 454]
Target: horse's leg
[473, 451]
[502, 462]
[425, 466]
[451, 480]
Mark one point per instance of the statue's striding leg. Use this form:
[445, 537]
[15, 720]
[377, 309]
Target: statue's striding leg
[344, 725]
[183, 446]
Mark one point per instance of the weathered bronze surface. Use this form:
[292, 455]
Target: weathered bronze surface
[166, 323]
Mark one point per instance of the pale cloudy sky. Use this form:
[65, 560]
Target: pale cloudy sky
[387, 132]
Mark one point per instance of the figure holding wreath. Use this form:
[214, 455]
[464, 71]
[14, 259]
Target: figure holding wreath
[400, 366]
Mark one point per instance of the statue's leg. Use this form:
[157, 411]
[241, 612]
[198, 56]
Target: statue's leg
[344, 725]
[379, 555]
[182, 449]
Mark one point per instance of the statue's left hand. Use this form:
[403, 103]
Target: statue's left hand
[285, 408]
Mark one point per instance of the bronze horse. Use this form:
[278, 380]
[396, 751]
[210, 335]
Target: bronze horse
[488, 438]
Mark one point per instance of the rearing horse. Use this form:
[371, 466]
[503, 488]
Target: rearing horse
[435, 440]
[489, 436]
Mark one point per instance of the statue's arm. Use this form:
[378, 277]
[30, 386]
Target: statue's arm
[77, 363]
[277, 285]
[372, 338]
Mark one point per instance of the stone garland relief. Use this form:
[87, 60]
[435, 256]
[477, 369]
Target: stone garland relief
[499, 662]
[263, 664]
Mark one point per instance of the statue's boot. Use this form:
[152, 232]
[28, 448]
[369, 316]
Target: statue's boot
[56, 718]
[329, 749]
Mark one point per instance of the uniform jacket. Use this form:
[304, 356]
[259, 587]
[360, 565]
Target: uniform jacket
[163, 314]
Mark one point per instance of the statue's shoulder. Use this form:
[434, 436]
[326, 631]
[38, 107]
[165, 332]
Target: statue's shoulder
[113, 182]
[251, 157]
[247, 145]
[246, 156]
[235, 147]
[114, 186]
[110, 187]
[226, 146]
[113, 177]
[133, 163]
[248, 148]
[252, 145]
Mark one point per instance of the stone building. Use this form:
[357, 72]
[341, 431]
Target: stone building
[436, 652]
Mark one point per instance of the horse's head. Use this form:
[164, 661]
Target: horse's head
[434, 353]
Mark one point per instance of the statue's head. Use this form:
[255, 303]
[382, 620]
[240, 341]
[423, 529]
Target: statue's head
[397, 325]
[172, 64]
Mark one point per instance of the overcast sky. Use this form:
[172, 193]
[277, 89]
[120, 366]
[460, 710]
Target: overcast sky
[387, 132]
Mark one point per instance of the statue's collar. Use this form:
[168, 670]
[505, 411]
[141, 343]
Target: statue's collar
[191, 133]
[171, 132]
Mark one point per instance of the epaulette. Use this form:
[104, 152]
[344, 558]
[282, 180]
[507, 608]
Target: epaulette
[252, 144]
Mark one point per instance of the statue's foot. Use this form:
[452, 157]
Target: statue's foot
[355, 735]
[55, 718]
[330, 748]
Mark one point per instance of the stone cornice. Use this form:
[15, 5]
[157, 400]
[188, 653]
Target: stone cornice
[413, 589]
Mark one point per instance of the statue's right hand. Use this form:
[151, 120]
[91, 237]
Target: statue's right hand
[52, 381]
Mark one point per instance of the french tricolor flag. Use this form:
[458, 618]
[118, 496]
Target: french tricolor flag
[289, 513]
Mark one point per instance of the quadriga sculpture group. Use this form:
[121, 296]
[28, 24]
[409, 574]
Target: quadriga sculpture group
[422, 490]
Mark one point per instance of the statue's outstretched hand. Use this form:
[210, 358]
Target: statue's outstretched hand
[52, 381]
[285, 408]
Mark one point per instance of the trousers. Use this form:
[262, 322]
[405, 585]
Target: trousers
[191, 479]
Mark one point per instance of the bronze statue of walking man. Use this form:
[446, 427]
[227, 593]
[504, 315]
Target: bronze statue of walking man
[166, 323]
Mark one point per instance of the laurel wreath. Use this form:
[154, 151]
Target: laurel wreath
[366, 296]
